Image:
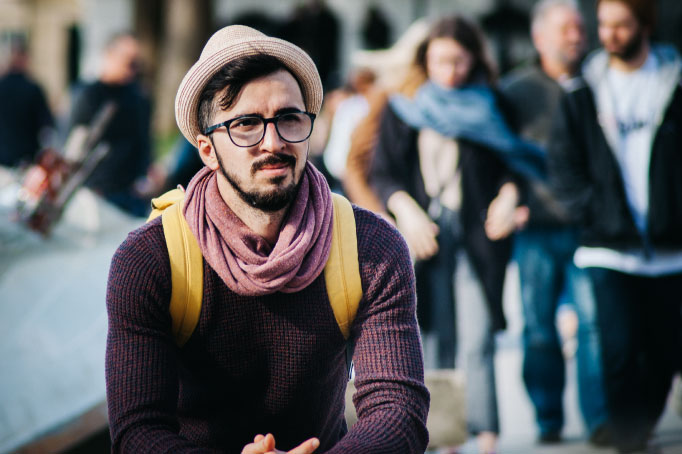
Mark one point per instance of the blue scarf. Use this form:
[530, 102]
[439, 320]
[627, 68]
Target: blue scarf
[470, 113]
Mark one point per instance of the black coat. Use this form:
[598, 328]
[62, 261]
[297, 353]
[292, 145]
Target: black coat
[23, 114]
[396, 167]
[128, 134]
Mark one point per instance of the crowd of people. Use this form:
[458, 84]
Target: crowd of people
[569, 166]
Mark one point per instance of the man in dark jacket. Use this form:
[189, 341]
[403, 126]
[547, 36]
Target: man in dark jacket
[24, 113]
[615, 161]
[128, 132]
[544, 247]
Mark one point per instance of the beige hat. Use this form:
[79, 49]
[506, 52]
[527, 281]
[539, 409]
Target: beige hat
[233, 42]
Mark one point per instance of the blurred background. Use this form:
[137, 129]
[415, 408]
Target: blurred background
[52, 315]
[66, 37]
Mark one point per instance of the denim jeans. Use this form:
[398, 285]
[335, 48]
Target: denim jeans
[476, 353]
[545, 260]
[435, 290]
[640, 323]
[454, 309]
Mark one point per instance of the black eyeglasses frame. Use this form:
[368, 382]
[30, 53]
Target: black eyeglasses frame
[211, 129]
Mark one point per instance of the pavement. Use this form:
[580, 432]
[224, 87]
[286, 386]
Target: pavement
[52, 317]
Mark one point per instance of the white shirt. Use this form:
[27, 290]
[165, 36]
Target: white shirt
[347, 117]
[633, 110]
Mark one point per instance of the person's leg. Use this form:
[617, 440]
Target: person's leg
[620, 322]
[540, 275]
[441, 289]
[476, 355]
[588, 356]
[662, 325]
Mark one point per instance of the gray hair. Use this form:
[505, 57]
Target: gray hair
[543, 7]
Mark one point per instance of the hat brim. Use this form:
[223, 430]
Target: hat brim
[293, 57]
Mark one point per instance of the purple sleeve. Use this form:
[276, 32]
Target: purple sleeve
[141, 373]
[391, 400]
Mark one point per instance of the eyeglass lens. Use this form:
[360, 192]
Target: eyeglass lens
[291, 127]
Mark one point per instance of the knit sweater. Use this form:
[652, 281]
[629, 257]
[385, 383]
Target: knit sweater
[271, 364]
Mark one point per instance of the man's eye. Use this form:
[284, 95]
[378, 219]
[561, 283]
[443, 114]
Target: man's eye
[246, 122]
[291, 118]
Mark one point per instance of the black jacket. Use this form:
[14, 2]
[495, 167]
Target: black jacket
[128, 134]
[586, 176]
[24, 113]
[396, 167]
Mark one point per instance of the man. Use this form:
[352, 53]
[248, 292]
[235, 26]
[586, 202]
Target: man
[544, 247]
[24, 114]
[128, 132]
[265, 367]
[616, 163]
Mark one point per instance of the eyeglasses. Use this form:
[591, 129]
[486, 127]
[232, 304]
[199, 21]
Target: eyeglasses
[249, 130]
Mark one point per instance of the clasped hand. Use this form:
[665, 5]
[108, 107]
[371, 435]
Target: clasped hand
[265, 444]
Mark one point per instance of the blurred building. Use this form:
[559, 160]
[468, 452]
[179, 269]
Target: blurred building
[66, 36]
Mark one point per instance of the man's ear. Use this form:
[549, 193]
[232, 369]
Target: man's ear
[207, 152]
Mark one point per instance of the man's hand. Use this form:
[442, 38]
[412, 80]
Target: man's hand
[418, 229]
[266, 445]
[503, 215]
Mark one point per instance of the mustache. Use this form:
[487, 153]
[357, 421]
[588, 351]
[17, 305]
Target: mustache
[273, 159]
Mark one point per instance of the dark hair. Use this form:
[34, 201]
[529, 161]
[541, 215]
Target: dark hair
[643, 10]
[230, 80]
[469, 36]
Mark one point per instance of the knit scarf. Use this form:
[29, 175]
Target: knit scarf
[245, 261]
[471, 113]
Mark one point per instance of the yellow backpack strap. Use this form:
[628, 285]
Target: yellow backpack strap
[159, 204]
[186, 263]
[342, 271]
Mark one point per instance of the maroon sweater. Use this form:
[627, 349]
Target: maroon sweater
[264, 364]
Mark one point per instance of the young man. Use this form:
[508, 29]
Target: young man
[265, 368]
[616, 163]
[25, 116]
[128, 132]
[544, 247]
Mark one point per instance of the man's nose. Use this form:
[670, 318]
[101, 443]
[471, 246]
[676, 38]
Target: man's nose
[271, 139]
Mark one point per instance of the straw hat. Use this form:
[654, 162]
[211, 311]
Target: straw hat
[233, 42]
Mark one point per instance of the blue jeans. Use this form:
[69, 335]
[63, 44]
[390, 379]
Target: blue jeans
[435, 290]
[545, 260]
[641, 331]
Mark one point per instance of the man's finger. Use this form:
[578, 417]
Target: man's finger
[307, 447]
[261, 445]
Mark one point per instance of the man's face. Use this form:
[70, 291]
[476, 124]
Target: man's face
[619, 30]
[121, 61]
[265, 176]
[561, 36]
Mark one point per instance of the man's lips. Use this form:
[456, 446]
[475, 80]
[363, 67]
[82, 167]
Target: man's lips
[277, 164]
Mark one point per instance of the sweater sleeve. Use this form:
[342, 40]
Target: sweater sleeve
[141, 371]
[567, 162]
[391, 400]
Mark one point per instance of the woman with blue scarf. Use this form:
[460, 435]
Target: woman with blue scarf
[441, 158]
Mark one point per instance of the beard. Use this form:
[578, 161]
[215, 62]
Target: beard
[631, 48]
[265, 200]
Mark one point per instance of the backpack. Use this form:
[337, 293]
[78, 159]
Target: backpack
[341, 273]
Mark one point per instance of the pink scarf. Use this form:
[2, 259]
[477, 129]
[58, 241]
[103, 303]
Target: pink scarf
[247, 264]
